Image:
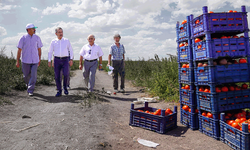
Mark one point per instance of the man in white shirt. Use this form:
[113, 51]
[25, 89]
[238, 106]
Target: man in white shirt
[62, 49]
[90, 53]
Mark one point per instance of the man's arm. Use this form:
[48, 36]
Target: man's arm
[80, 62]
[40, 54]
[50, 54]
[18, 57]
[71, 54]
[109, 59]
[100, 62]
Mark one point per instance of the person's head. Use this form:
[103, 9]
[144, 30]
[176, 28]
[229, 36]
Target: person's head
[91, 39]
[31, 29]
[117, 38]
[59, 32]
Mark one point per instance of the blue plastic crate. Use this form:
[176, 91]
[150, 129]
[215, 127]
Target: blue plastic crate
[218, 22]
[236, 139]
[189, 119]
[188, 97]
[222, 74]
[209, 126]
[223, 101]
[183, 31]
[215, 48]
[185, 54]
[160, 124]
[186, 75]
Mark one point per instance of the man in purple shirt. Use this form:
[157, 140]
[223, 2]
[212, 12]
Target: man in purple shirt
[29, 47]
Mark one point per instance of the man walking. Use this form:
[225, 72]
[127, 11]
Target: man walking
[29, 47]
[117, 52]
[61, 48]
[90, 53]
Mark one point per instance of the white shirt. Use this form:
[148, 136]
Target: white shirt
[91, 52]
[61, 48]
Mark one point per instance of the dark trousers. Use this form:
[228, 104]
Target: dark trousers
[61, 64]
[118, 66]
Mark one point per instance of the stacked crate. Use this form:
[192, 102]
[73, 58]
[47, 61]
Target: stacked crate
[186, 75]
[208, 48]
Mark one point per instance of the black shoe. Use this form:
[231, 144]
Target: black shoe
[59, 93]
[66, 92]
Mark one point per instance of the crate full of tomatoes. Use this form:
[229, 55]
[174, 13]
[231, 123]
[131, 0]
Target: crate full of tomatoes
[185, 52]
[186, 73]
[225, 70]
[235, 129]
[153, 119]
[209, 124]
[189, 116]
[219, 98]
[231, 21]
[183, 30]
[187, 94]
[220, 45]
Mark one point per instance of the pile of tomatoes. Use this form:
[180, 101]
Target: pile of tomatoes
[158, 112]
[207, 114]
[186, 87]
[187, 108]
[185, 66]
[236, 119]
[224, 88]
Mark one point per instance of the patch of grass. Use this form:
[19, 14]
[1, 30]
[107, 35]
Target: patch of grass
[5, 101]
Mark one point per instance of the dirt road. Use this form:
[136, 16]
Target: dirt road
[67, 123]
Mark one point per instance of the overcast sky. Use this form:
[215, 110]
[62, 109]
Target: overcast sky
[147, 27]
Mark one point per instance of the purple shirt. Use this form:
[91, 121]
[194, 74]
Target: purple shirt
[29, 45]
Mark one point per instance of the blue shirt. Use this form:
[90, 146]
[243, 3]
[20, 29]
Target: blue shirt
[29, 45]
[117, 53]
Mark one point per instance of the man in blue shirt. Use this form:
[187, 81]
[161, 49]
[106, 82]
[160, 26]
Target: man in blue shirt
[29, 47]
[117, 52]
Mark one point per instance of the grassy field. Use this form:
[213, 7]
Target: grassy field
[158, 76]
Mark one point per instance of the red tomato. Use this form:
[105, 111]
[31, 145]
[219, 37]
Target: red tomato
[224, 89]
[231, 88]
[242, 60]
[244, 86]
[204, 114]
[201, 89]
[184, 66]
[235, 125]
[197, 40]
[237, 88]
[169, 111]
[187, 87]
[230, 11]
[209, 115]
[217, 90]
[185, 107]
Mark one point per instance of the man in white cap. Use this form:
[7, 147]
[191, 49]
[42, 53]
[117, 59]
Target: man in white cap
[90, 53]
[29, 47]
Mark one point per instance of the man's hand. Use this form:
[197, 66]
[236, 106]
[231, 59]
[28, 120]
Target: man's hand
[17, 64]
[39, 62]
[100, 67]
[53, 64]
[80, 67]
[71, 63]
[108, 64]
[49, 64]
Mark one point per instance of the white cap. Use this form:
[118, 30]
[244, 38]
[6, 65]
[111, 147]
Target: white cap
[30, 25]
